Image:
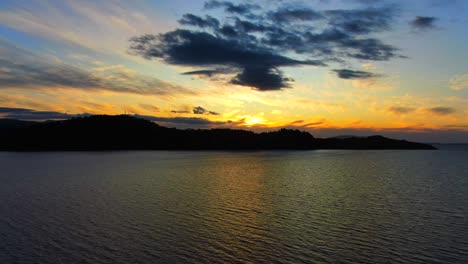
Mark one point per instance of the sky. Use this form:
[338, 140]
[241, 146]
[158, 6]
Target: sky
[331, 67]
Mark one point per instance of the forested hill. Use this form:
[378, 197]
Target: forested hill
[123, 132]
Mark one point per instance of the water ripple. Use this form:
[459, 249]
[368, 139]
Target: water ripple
[234, 207]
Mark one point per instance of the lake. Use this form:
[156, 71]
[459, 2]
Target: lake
[387, 206]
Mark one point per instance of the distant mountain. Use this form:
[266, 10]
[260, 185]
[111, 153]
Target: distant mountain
[372, 142]
[123, 132]
[346, 137]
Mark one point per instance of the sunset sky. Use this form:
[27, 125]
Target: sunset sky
[331, 67]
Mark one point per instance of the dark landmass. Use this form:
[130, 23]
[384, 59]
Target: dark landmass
[123, 132]
[8, 124]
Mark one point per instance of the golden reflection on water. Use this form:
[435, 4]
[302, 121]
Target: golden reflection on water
[237, 203]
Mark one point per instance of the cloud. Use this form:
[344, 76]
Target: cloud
[35, 115]
[286, 15]
[193, 20]
[254, 43]
[302, 124]
[104, 26]
[313, 124]
[263, 78]
[23, 69]
[185, 47]
[423, 22]
[399, 110]
[368, 49]
[180, 111]
[239, 9]
[362, 21]
[12, 109]
[209, 73]
[198, 110]
[459, 82]
[29, 114]
[149, 107]
[442, 110]
[351, 74]
[296, 122]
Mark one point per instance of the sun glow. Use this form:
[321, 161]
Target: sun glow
[249, 120]
[254, 121]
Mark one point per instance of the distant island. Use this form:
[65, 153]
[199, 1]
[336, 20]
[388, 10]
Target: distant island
[124, 132]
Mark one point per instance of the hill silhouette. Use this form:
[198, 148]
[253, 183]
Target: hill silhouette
[123, 132]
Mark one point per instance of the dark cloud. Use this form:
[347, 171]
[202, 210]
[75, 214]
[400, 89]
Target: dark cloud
[23, 69]
[295, 14]
[401, 110]
[254, 47]
[368, 49]
[312, 124]
[184, 47]
[262, 78]
[438, 110]
[246, 26]
[16, 110]
[191, 48]
[29, 114]
[362, 21]
[304, 125]
[442, 110]
[208, 73]
[423, 22]
[202, 72]
[193, 20]
[240, 9]
[180, 111]
[296, 122]
[198, 110]
[351, 74]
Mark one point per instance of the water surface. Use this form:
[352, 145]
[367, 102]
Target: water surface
[263, 207]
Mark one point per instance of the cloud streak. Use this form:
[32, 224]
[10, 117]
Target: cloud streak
[351, 74]
[29, 114]
[23, 69]
[442, 110]
[400, 110]
[102, 26]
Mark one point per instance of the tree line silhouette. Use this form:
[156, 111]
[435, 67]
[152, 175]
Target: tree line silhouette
[124, 132]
